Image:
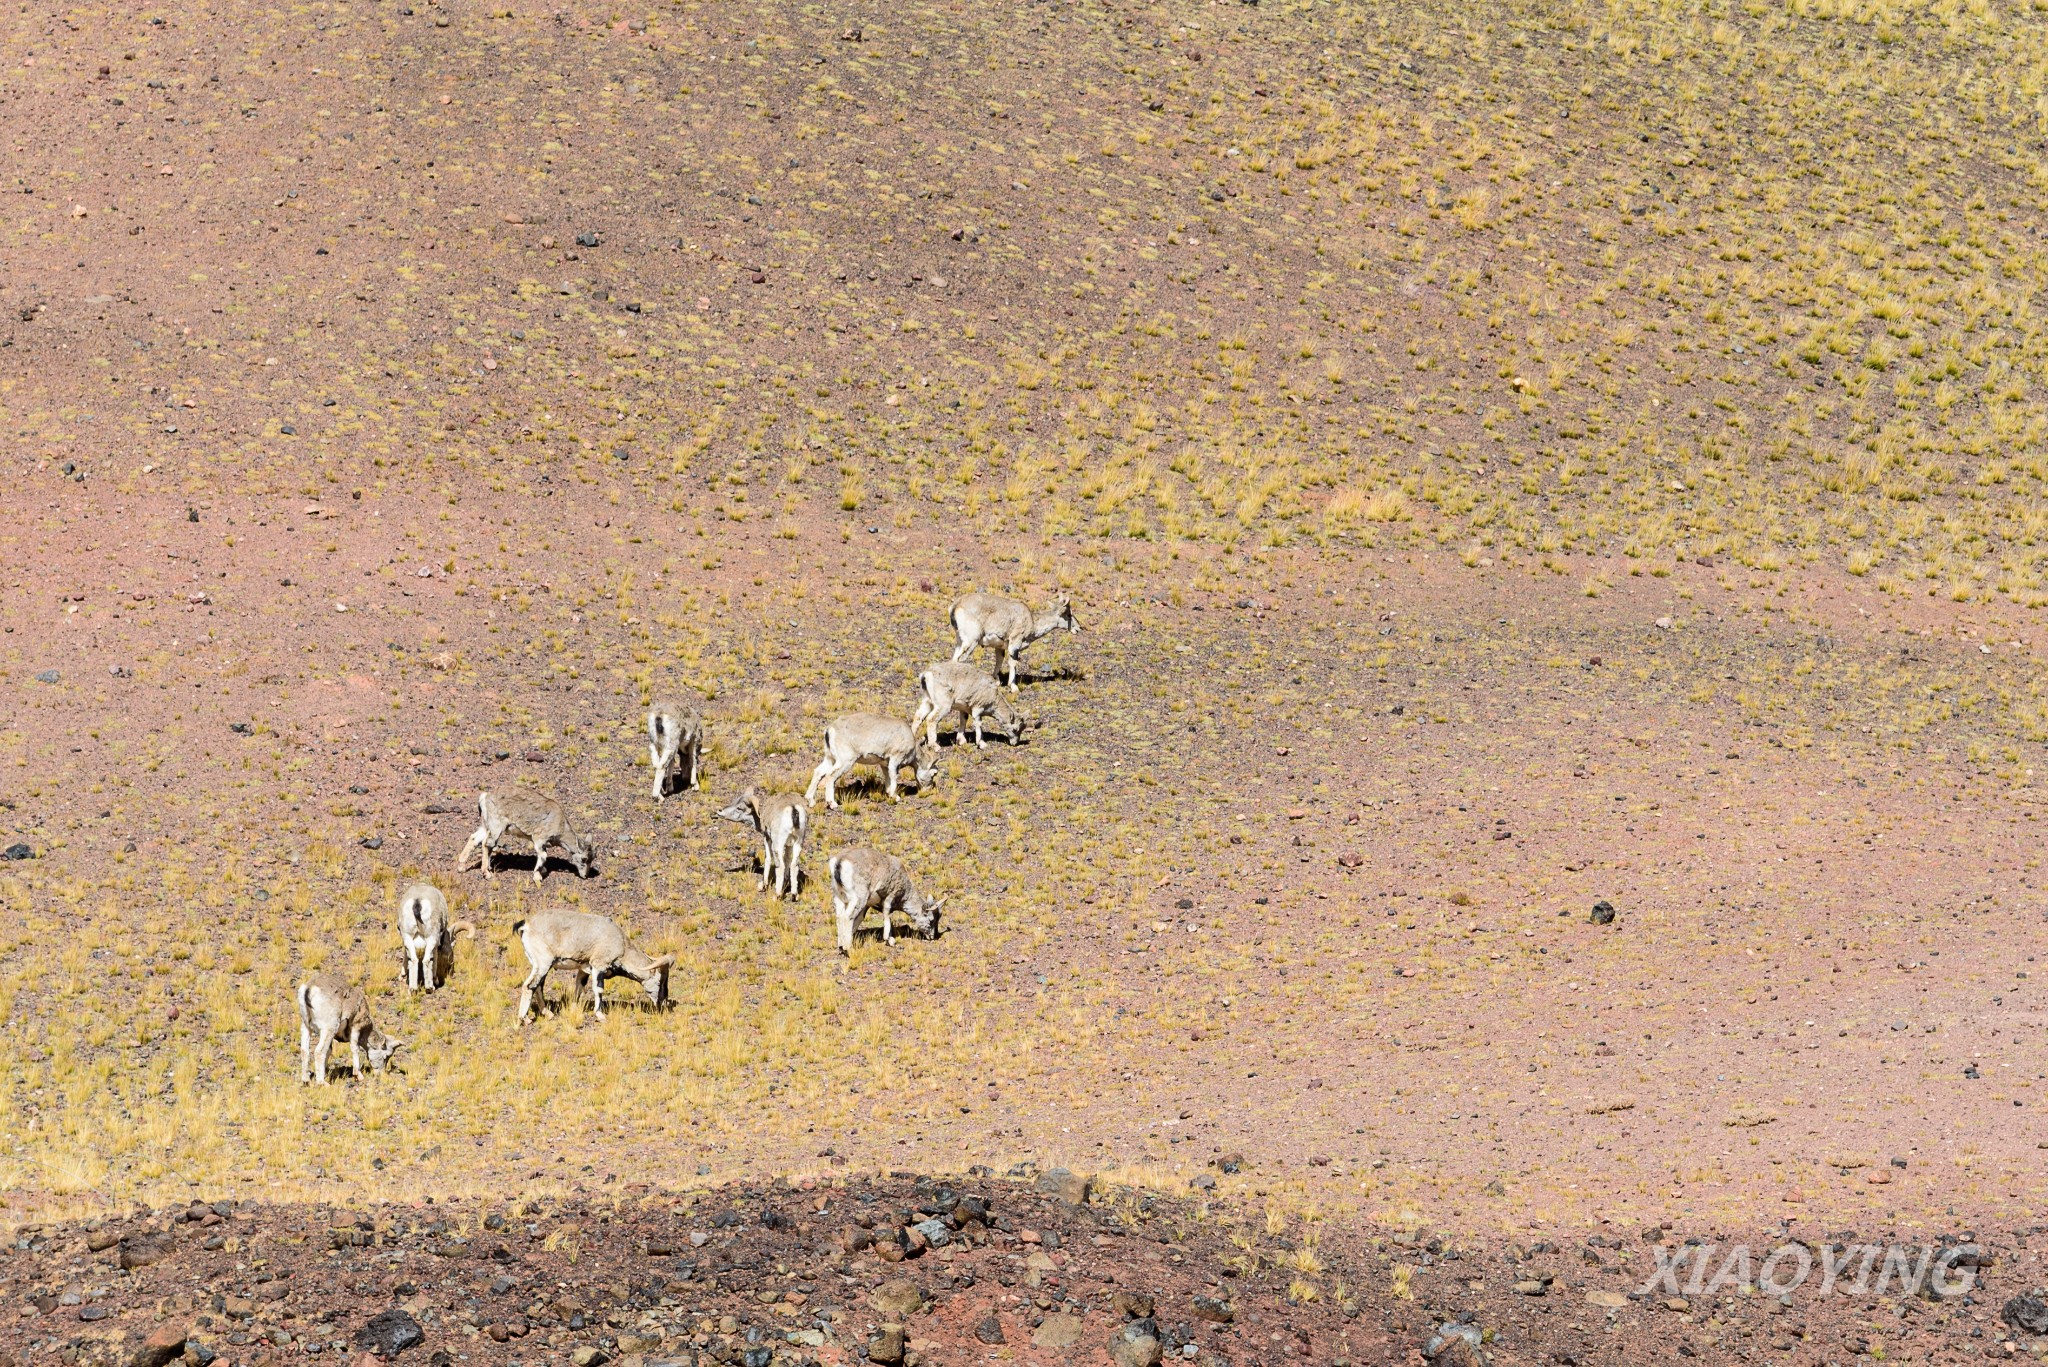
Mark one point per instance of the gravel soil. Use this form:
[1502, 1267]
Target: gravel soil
[887, 1268]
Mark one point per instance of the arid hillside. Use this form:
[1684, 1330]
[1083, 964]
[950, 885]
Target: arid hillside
[1663, 280]
[1551, 498]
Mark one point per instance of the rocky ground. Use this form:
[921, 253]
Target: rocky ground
[923, 1272]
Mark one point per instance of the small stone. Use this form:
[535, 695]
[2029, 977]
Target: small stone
[639, 1343]
[898, 1297]
[390, 1333]
[586, 239]
[1529, 1287]
[165, 1342]
[588, 1355]
[1070, 1187]
[373, 842]
[1607, 1300]
[1449, 1337]
[1215, 1310]
[990, 1330]
[48, 676]
[1203, 1181]
[1602, 913]
[1058, 1331]
[1132, 1305]
[101, 1241]
[143, 1251]
[934, 1233]
[1677, 1305]
[886, 1347]
[1136, 1345]
[1665, 624]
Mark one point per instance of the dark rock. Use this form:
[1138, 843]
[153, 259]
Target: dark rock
[1215, 1310]
[586, 239]
[2028, 1313]
[373, 842]
[1602, 913]
[48, 676]
[18, 850]
[990, 1330]
[390, 1333]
